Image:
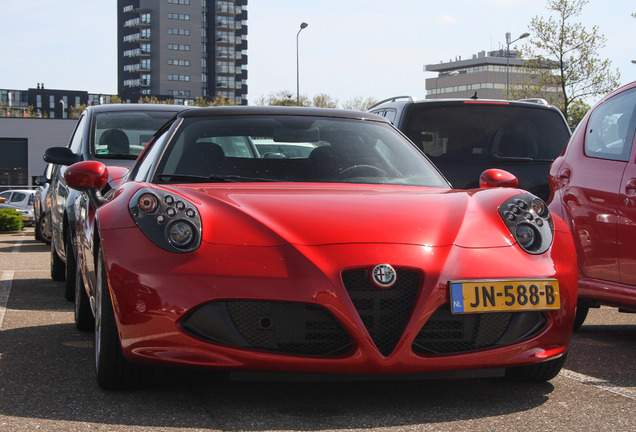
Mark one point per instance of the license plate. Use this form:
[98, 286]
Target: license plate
[504, 295]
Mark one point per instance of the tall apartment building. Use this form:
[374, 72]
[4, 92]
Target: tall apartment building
[182, 49]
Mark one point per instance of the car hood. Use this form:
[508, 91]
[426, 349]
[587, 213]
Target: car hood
[311, 215]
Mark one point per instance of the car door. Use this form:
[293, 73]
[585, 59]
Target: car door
[60, 191]
[627, 195]
[591, 176]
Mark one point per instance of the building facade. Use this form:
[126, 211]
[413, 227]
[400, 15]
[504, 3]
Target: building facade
[487, 74]
[45, 103]
[182, 49]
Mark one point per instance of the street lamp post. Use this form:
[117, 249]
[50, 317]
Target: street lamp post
[508, 43]
[302, 26]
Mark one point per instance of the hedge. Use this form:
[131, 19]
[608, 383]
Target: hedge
[11, 220]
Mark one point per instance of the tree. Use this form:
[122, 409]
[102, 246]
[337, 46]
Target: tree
[74, 111]
[359, 103]
[323, 100]
[215, 101]
[563, 59]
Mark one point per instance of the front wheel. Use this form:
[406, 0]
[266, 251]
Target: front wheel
[114, 372]
[539, 372]
[581, 313]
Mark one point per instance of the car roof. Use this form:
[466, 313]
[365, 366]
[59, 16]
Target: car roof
[234, 110]
[400, 101]
[27, 191]
[136, 107]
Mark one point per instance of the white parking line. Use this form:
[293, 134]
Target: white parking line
[16, 247]
[6, 278]
[599, 383]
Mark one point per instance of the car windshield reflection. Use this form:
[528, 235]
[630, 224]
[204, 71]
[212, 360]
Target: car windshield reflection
[293, 149]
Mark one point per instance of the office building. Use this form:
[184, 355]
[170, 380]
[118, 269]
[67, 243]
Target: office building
[488, 74]
[182, 49]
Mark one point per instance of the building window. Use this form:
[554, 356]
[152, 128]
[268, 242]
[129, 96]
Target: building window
[179, 47]
[175, 62]
[179, 2]
[179, 32]
[185, 78]
[176, 16]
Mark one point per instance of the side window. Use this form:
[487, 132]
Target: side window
[76, 141]
[18, 197]
[610, 130]
[390, 115]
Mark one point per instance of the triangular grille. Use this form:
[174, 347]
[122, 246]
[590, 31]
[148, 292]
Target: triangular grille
[384, 312]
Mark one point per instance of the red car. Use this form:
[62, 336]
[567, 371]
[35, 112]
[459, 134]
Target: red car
[355, 258]
[593, 187]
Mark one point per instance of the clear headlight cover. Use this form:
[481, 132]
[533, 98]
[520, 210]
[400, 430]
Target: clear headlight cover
[169, 221]
[529, 221]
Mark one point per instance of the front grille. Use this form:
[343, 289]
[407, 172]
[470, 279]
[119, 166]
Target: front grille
[384, 312]
[283, 327]
[446, 333]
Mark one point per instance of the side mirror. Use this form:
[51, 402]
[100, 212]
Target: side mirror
[493, 178]
[2, 199]
[41, 180]
[61, 156]
[90, 177]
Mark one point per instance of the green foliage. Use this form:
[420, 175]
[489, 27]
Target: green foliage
[563, 59]
[576, 112]
[359, 103]
[215, 101]
[321, 100]
[10, 220]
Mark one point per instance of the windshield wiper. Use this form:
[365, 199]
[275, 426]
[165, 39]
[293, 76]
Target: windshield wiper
[498, 158]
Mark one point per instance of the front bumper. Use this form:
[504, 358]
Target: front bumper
[311, 309]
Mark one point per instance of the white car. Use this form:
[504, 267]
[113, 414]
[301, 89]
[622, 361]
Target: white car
[22, 201]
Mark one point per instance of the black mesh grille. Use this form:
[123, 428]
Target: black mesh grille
[445, 333]
[293, 328]
[384, 312]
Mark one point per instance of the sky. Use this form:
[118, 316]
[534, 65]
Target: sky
[351, 48]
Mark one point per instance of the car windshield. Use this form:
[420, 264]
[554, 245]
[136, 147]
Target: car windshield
[462, 133]
[123, 135]
[293, 149]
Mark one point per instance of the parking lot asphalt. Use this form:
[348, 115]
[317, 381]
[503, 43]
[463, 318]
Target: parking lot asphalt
[47, 380]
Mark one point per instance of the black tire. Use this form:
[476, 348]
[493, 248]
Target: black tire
[71, 263]
[43, 226]
[84, 320]
[36, 230]
[58, 269]
[113, 371]
[581, 313]
[539, 372]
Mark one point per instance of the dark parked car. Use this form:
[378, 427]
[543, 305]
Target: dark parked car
[594, 190]
[464, 137]
[112, 134]
[42, 206]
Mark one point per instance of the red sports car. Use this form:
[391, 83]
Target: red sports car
[353, 257]
[594, 190]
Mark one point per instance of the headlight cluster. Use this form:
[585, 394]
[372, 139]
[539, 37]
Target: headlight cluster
[170, 222]
[529, 221]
